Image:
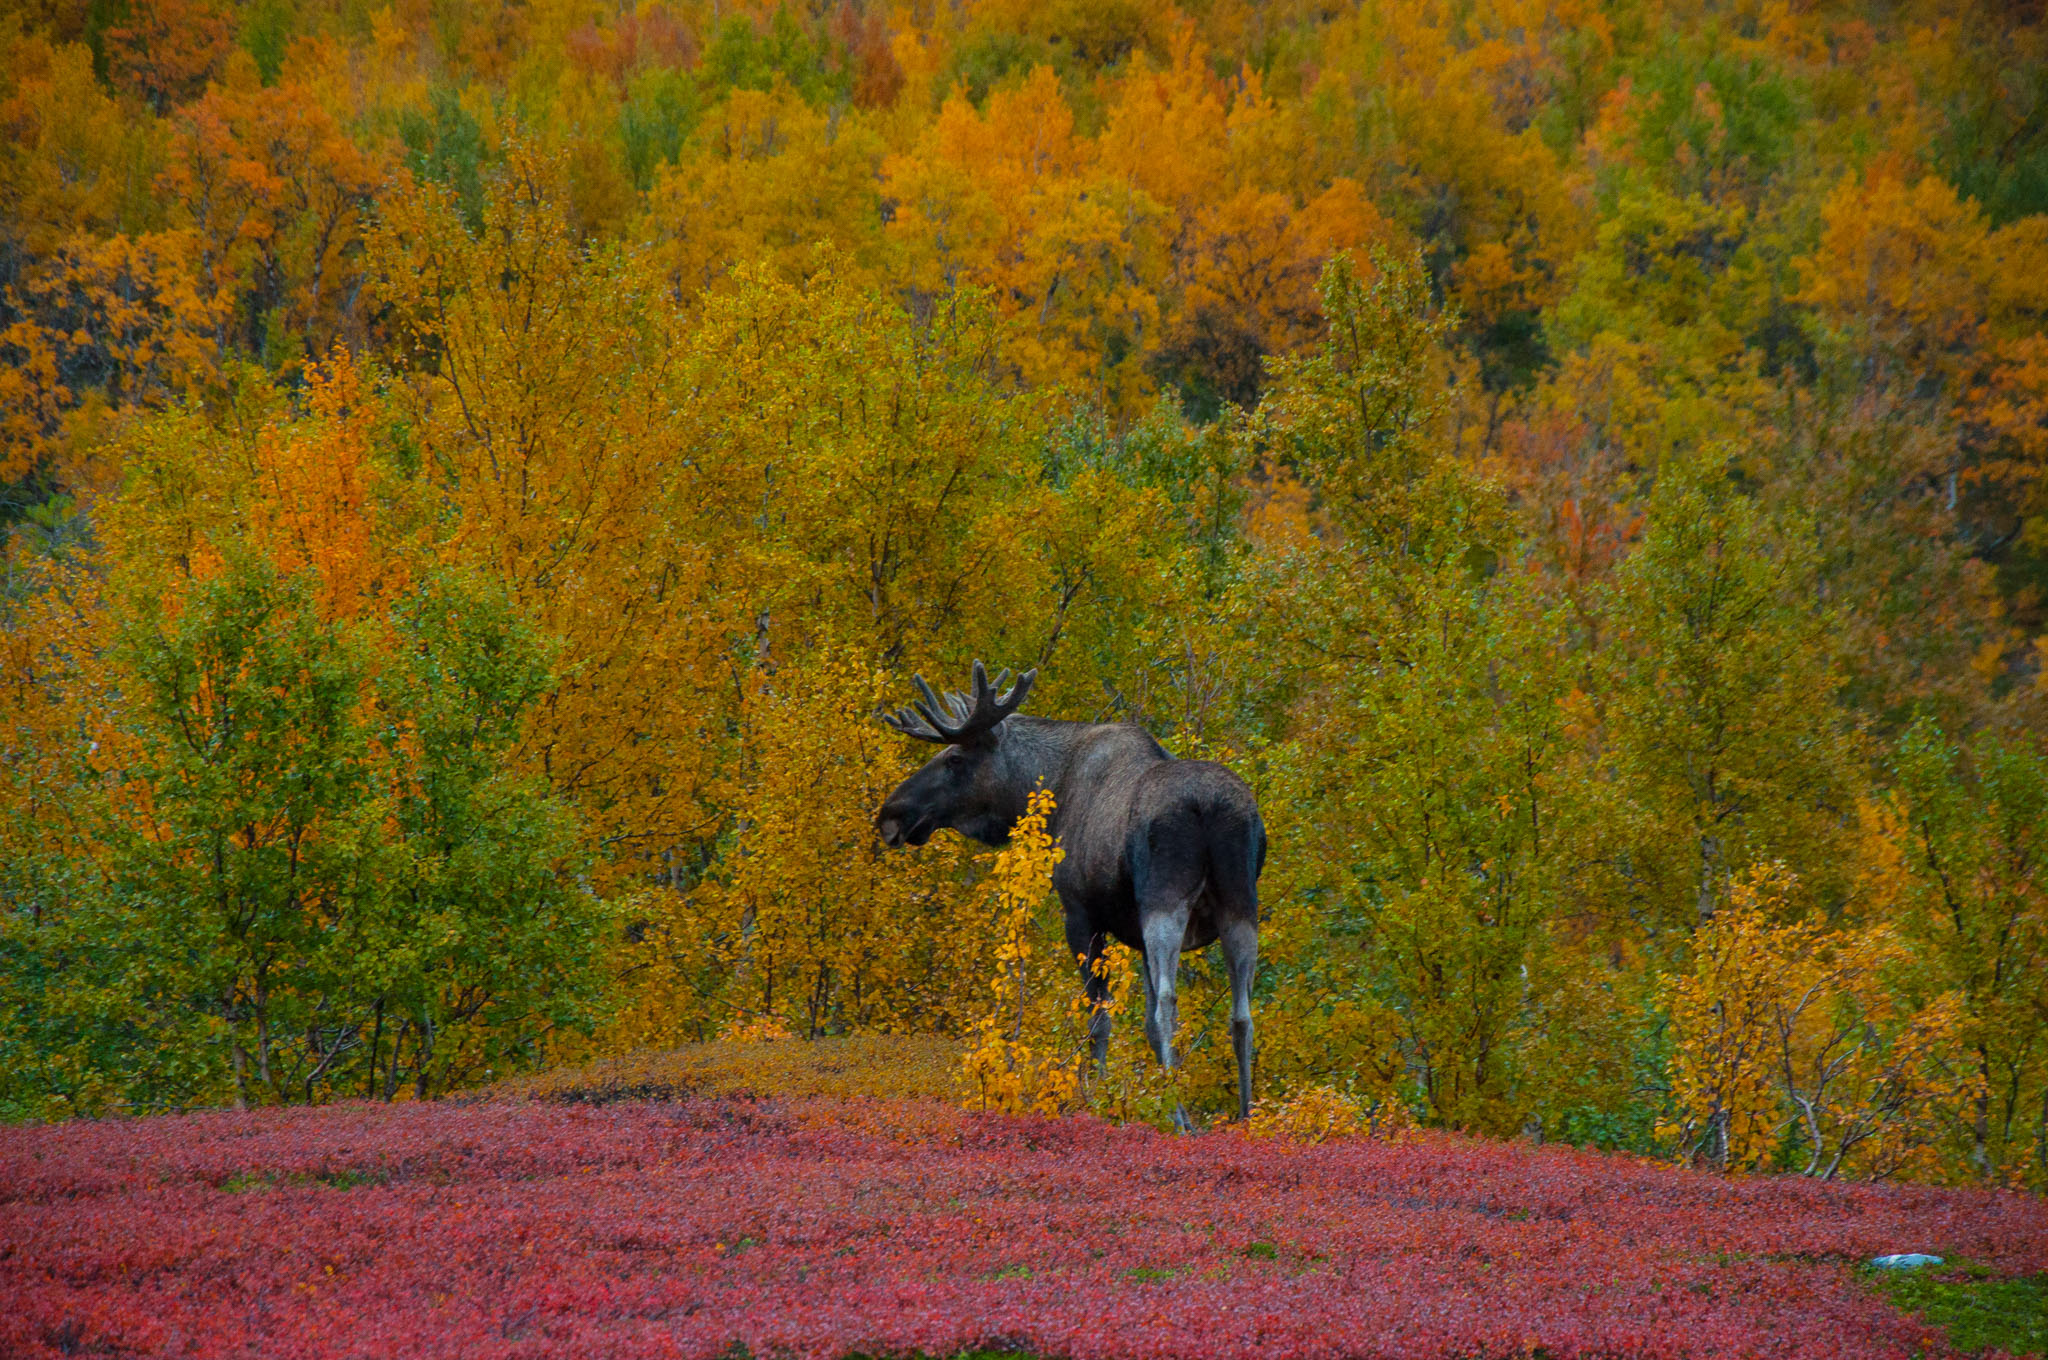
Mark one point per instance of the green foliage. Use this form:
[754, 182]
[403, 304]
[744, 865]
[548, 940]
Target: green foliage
[1726, 748]
[334, 884]
[266, 32]
[1200, 471]
[1714, 122]
[1358, 416]
[745, 56]
[1977, 1309]
[1994, 145]
[1676, 275]
[655, 121]
[446, 146]
[1429, 731]
[1970, 832]
[991, 57]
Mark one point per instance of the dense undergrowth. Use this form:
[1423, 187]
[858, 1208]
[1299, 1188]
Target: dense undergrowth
[822, 1226]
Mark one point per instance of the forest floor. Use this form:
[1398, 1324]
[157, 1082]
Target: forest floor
[662, 1208]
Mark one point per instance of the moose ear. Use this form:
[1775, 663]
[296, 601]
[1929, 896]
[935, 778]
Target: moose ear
[981, 739]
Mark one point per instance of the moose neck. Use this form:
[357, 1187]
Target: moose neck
[1035, 753]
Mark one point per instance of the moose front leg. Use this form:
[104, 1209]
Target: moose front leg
[1088, 947]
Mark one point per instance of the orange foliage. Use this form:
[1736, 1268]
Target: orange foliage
[279, 195]
[316, 510]
[166, 49]
[1676, 432]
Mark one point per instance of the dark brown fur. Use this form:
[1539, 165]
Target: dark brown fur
[1162, 855]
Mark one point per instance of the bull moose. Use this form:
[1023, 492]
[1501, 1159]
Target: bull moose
[1162, 855]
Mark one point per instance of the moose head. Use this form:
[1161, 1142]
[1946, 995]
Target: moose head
[971, 785]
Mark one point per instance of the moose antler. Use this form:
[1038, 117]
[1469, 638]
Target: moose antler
[958, 718]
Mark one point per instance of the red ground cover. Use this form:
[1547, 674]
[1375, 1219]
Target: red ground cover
[822, 1228]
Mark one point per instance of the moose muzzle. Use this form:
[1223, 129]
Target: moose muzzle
[901, 827]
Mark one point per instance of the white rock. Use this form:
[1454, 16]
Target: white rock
[1905, 1261]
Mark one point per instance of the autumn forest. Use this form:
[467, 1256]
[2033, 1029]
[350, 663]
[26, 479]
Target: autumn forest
[471, 473]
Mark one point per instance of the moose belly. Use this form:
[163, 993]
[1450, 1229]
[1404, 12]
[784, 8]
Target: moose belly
[1123, 927]
[1201, 931]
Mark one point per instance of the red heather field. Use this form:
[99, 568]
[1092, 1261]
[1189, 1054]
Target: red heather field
[826, 1227]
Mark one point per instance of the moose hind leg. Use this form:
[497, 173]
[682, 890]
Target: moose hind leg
[1240, 940]
[1169, 875]
[1152, 1030]
[1164, 932]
